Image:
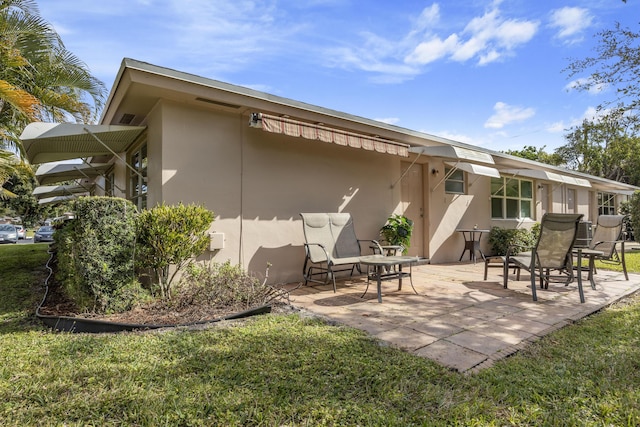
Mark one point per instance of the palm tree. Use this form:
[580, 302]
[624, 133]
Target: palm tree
[8, 167]
[39, 79]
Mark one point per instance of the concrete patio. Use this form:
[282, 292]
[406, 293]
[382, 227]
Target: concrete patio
[457, 319]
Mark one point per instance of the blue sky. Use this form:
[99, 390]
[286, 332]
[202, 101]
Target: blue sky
[483, 72]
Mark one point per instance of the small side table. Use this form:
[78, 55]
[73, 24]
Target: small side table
[388, 250]
[472, 242]
[380, 262]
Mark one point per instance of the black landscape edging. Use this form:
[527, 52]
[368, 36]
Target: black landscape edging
[79, 324]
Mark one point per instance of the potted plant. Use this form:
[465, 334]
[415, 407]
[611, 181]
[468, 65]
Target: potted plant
[397, 231]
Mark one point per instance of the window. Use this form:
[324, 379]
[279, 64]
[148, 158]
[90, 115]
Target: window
[138, 179]
[571, 201]
[454, 182]
[511, 198]
[606, 204]
[109, 185]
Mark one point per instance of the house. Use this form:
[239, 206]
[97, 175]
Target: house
[258, 160]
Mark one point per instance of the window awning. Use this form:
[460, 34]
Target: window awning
[50, 142]
[453, 152]
[56, 199]
[548, 176]
[471, 168]
[317, 132]
[58, 190]
[474, 169]
[50, 173]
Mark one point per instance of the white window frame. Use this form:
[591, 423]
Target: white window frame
[606, 203]
[454, 178]
[138, 160]
[501, 194]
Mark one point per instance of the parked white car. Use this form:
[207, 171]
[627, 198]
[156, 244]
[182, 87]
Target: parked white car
[22, 233]
[8, 233]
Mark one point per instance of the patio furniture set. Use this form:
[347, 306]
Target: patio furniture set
[332, 246]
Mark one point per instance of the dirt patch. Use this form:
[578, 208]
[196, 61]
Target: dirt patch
[159, 313]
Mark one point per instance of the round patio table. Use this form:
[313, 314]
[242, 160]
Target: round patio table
[472, 238]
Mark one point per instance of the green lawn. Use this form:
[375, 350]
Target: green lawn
[284, 370]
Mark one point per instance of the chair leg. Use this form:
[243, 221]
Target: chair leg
[505, 269]
[305, 272]
[624, 264]
[333, 277]
[533, 284]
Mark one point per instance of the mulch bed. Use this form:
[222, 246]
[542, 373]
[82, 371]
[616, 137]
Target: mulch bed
[156, 313]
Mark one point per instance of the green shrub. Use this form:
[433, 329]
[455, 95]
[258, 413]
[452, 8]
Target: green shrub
[535, 232]
[397, 231]
[221, 285]
[632, 209]
[168, 238]
[501, 238]
[95, 253]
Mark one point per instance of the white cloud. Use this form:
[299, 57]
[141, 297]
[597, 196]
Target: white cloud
[432, 50]
[492, 37]
[590, 114]
[506, 114]
[487, 38]
[484, 39]
[570, 23]
[495, 35]
[429, 17]
[584, 82]
[556, 127]
[228, 23]
[204, 37]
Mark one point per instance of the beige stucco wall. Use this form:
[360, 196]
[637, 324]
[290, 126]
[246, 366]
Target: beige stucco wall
[257, 183]
[583, 197]
[559, 200]
[448, 212]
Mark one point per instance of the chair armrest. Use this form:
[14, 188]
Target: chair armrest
[516, 249]
[599, 242]
[374, 242]
[308, 253]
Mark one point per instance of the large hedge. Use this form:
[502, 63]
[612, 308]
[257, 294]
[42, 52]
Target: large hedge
[95, 252]
[102, 250]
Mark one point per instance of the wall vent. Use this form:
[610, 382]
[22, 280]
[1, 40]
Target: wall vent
[222, 104]
[126, 119]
